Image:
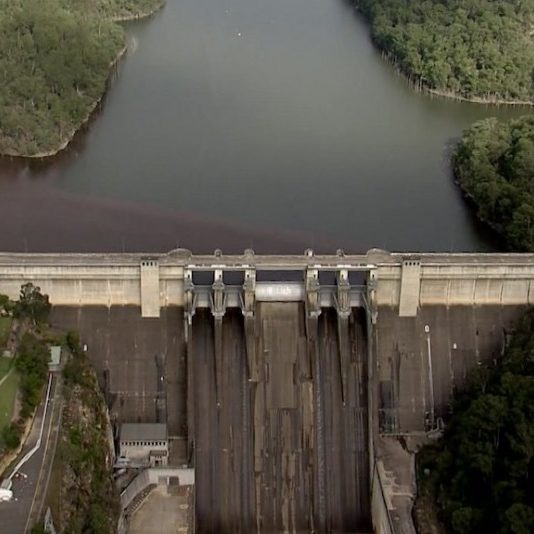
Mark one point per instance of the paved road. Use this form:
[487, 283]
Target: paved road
[14, 514]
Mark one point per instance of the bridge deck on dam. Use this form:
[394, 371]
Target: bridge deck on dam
[281, 452]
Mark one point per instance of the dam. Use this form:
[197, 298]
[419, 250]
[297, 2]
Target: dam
[287, 382]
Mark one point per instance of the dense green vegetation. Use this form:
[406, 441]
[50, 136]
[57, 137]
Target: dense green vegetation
[9, 434]
[5, 327]
[494, 164]
[88, 500]
[55, 58]
[482, 471]
[476, 49]
[5, 366]
[54, 64]
[32, 304]
[31, 361]
[32, 364]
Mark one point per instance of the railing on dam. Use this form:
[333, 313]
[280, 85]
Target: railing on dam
[405, 281]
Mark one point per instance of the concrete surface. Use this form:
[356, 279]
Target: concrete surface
[257, 463]
[140, 364]
[125, 279]
[396, 469]
[222, 440]
[417, 371]
[345, 422]
[156, 475]
[166, 510]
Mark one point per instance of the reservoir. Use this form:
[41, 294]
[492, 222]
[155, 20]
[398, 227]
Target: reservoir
[245, 123]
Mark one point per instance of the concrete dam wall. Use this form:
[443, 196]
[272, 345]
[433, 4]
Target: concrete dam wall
[278, 376]
[403, 281]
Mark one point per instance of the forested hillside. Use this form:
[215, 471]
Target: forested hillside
[494, 165]
[482, 471]
[82, 494]
[55, 58]
[475, 49]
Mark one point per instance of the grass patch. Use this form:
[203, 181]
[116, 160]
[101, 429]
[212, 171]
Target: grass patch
[8, 391]
[5, 366]
[5, 327]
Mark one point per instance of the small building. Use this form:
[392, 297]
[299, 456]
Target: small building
[144, 444]
[55, 359]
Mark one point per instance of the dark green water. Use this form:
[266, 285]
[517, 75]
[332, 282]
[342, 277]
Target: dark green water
[237, 123]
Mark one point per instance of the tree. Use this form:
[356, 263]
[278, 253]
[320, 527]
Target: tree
[11, 436]
[5, 303]
[32, 304]
[494, 164]
[32, 364]
[469, 48]
[482, 469]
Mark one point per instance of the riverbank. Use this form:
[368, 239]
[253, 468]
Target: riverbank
[420, 87]
[140, 15]
[90, 113]
[69, 81]
[451, 54]
[493, 165]
[479, 100]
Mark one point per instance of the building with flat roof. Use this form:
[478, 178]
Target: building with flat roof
[144, 444]
[55, 358]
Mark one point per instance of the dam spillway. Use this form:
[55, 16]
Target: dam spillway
[289, 452]
[281, 378]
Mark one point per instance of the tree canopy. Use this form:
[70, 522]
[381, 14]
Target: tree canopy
[470, 48]
[483, 469]
[494, 164]
[32, 304]
[55, 59]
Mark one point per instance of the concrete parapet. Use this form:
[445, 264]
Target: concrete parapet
[150, 300]
[402, 281]
[410, 287]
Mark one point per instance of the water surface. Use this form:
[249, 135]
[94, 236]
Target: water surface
[237, 123]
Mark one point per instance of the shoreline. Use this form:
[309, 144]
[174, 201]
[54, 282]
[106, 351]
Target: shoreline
[93, 108]
[139, 16]
[425, 89]
[422, 88]
[476, 99]
[474, 206]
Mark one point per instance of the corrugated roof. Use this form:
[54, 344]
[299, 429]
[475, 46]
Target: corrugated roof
[143, 431]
